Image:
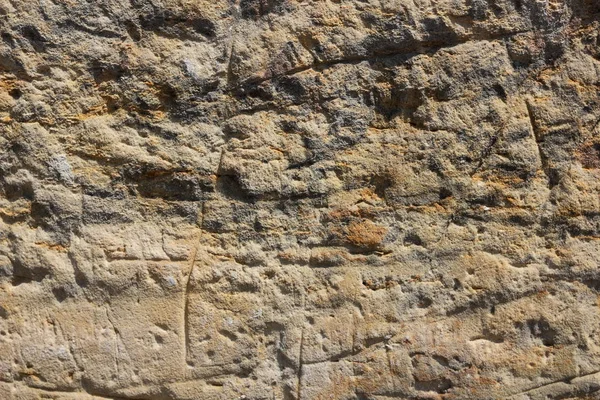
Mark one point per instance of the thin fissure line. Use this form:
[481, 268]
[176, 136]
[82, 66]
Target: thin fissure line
[187, 292]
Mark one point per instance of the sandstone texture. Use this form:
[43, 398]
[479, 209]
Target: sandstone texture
[299, 199]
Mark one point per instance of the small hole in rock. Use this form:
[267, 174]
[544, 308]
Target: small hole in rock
[15, 93]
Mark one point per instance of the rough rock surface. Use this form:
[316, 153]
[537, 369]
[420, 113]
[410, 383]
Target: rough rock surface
[299, 199]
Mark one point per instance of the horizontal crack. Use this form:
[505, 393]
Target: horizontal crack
[566, 380]
[418, 48]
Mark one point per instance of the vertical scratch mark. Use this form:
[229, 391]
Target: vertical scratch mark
[230, 76]
[354, 334]
[70, 343]
[532, 122]
[299, 387]
[354, 351]
[301, 351]
[117, 341]
[75, 358]
[186, 305]
[389, 360]
[538, 139]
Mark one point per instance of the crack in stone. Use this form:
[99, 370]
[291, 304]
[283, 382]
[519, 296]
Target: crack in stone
[567, 380]
[186, 306]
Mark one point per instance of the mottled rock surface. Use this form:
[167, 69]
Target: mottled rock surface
[299, 199]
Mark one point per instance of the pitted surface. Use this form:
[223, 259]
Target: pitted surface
[299, 199]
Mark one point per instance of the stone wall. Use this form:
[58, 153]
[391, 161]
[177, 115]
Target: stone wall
[299, 199]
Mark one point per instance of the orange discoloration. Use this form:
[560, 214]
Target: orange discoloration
[55, 247]
[365, 234]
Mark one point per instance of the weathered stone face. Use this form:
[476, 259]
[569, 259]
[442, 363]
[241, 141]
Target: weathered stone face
[299, 199]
